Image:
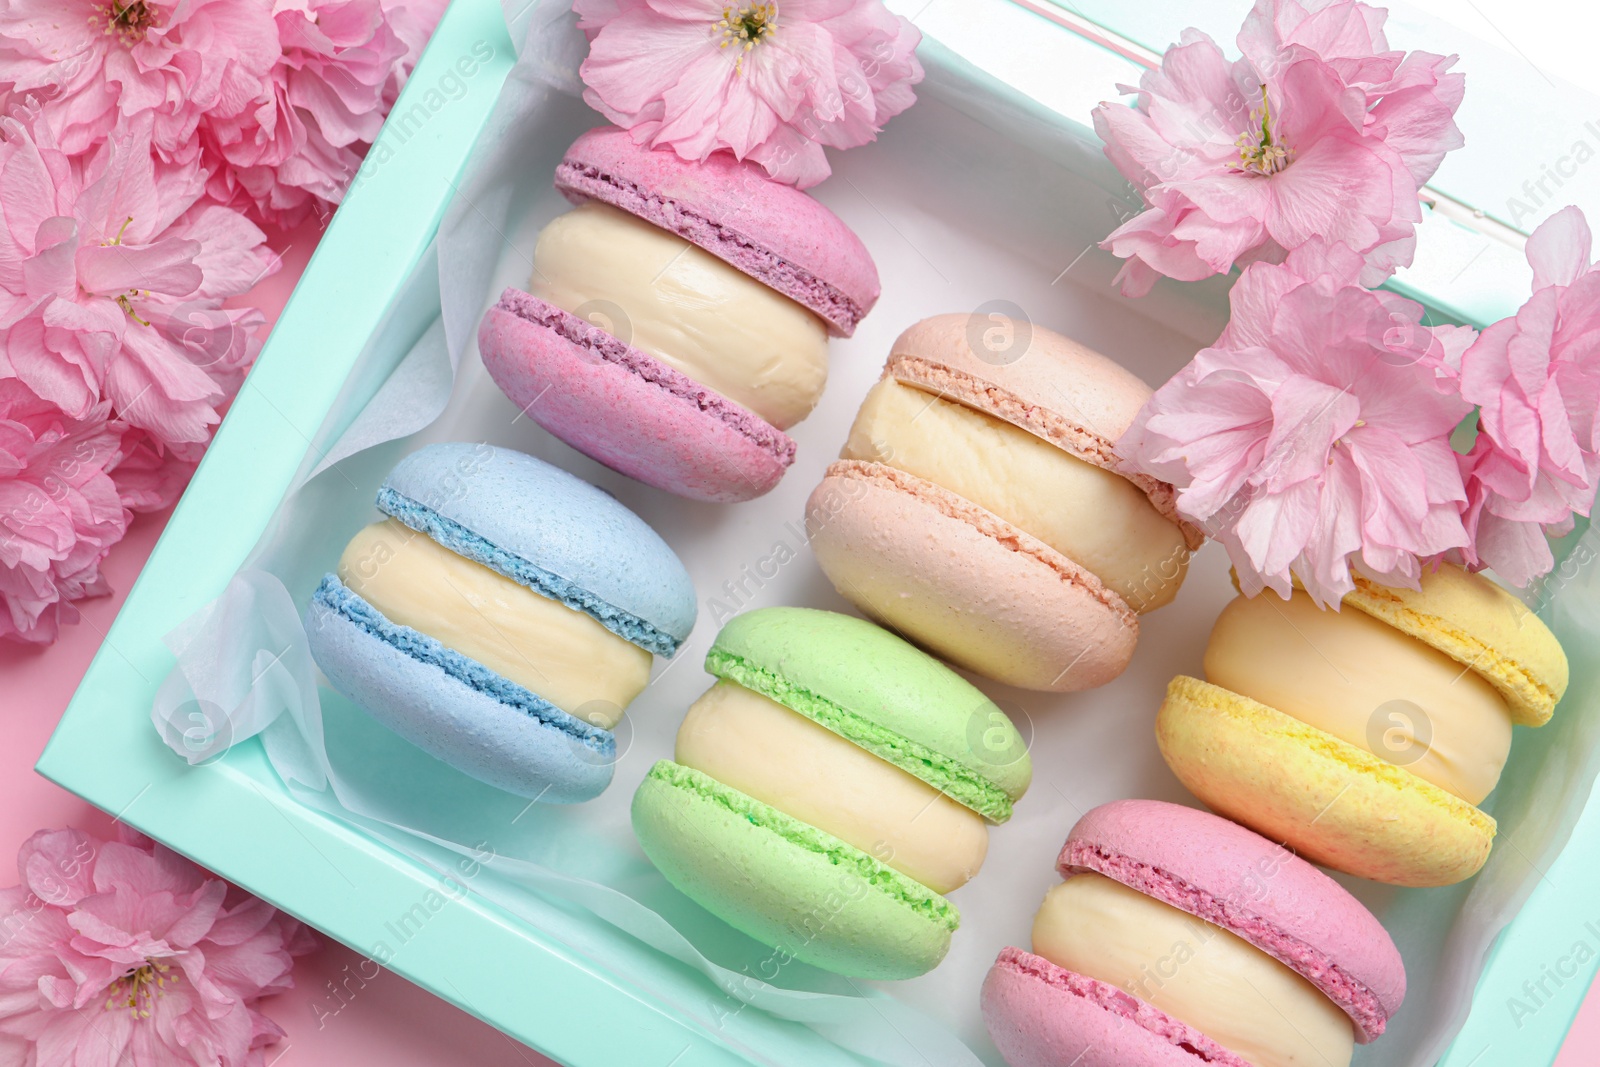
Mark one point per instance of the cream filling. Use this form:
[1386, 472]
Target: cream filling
[1196, 972]
[1095, 518]
[784, 759]
[685, 307]
[541, 644]
[1367, 683]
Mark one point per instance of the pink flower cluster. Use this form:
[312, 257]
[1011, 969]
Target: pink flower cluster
[124, 953]
[143, 146]
[1318, 130]
[1316, 437]
[769, 82]
[1315, 434]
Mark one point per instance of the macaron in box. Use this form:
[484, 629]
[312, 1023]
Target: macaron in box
[1179, 939]
[501, 617]
[828, 789]
[1365, 738]
[677, 320]
[995, 525]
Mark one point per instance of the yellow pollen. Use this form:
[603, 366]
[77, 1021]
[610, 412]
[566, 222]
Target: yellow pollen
[138, 989]
[745, 27]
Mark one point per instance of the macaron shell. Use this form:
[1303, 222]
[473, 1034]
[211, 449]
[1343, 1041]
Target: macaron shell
[922, 559]
[1054, 387]
[1479, 625]
[625, 408]
[1331, 802]
[1225, 874]
[876, 690]
[786, 883]
[1041, 1015]
[468, 729]
[772, 231]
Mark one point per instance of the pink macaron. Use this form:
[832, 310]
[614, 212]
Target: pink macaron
[1179, 939]
[677, 319]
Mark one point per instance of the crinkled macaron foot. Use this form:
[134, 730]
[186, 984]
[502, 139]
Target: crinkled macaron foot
[1041, 1015]
[1330, 801]
[770, 230]
[786, 883]
[963, 583]
[626, 408]
[453, 708]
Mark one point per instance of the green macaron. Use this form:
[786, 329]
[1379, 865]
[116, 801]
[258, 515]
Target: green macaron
[828, 789]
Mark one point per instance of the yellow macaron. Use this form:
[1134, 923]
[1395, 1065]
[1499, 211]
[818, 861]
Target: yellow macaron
[1366, 738]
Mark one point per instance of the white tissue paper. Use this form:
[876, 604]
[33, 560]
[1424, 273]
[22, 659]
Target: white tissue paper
[975, 200]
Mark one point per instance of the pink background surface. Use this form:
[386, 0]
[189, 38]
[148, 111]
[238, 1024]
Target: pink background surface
[332, 1017]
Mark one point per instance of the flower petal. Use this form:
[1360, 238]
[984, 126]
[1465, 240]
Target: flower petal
[1558, 249]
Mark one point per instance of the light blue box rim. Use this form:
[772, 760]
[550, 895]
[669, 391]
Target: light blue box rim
[221, 818]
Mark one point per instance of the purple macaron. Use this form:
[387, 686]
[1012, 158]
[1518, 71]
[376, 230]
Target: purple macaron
[629, 409]
[1042, 1013]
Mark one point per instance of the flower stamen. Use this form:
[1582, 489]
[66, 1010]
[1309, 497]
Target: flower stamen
[117, 240]
[125, 302]
[745, 27]
[1261, 150]
[138, 989]
[129, 22]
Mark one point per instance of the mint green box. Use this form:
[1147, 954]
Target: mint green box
[235, 817]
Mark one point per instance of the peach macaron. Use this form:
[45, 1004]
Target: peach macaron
[979, 509]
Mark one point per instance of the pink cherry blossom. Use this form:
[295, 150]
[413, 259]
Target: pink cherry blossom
[1315, 435]
[124, 954]
[97, 62]
[300, 143]
[1536, 380]
[59, 510]
[1411, 95]
[1319, 130]
[141, 142]
[769, 82]
[115, 352]
[111, 284]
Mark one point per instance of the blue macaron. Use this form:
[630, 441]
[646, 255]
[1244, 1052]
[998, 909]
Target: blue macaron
[544, 529]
